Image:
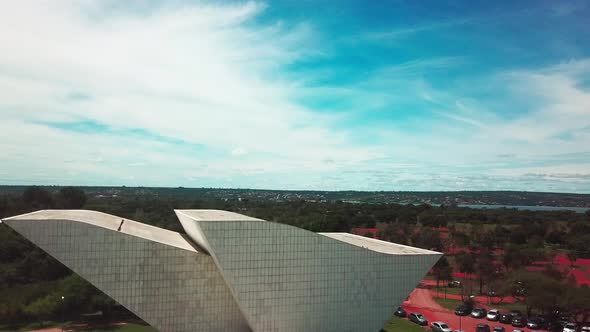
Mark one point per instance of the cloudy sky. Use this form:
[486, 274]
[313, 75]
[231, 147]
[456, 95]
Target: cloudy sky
[329, 95]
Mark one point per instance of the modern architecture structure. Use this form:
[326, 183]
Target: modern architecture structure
[230, 272]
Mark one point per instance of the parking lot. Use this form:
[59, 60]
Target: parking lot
[421, 301]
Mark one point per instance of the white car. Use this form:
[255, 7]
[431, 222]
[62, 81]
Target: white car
[440, 327]
[493, 315]
[517, 331]
[569, 327]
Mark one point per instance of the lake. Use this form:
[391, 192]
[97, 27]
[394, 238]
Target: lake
[527, 207]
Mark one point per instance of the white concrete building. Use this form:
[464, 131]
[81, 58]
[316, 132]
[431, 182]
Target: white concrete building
[231, 272]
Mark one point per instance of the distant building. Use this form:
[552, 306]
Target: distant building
[232, 273]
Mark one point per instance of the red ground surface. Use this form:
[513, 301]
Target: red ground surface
[363, 231]
[562, 260]
[455, 250]
[420, 300]
[579, 270]
[478, 299]
[464, 275]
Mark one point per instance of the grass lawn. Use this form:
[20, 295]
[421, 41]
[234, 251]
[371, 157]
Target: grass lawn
[447, 303]
[453, 304]
[123, 328]
[397, 324]
[127, 328]
[29, 327]
[454, 290]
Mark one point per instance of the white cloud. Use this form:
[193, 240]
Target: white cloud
[212, 81]
[202, 73]
[563, 107]
[472, 134]
[237, 152]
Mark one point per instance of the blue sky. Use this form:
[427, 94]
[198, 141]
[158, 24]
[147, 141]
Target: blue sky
[333, 95]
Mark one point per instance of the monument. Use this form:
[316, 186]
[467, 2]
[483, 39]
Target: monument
[230, 272]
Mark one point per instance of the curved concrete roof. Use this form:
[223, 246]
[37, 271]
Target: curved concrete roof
[189, 220]
[111, 222]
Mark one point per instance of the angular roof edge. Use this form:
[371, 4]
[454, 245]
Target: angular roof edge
[194, 240]
[190, 219]
[384, 247]
[215, 215]
[110, 222]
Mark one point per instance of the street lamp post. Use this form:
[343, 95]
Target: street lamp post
[62, 313]
[460, 327]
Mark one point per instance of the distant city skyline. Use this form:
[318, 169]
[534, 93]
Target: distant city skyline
[300, 95]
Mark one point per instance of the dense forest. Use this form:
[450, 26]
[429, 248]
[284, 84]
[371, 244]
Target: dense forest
[32, 283]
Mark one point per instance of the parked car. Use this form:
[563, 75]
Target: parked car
[499, 329]
[519, 321]
[400, 312]
[586, 328]
[517, 330]
[482, 328]
[463, 310]
[515, 313]
[505, 318]
[553, 325]
[536, 323]
[569, 327]
[454, 284]
[417, 318]
[478, 313]
[493, 315]
[440, 327]
[563, 321]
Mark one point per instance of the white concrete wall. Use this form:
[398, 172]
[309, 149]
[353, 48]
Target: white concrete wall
[290, 280]
[172, 289]
[260, 276]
